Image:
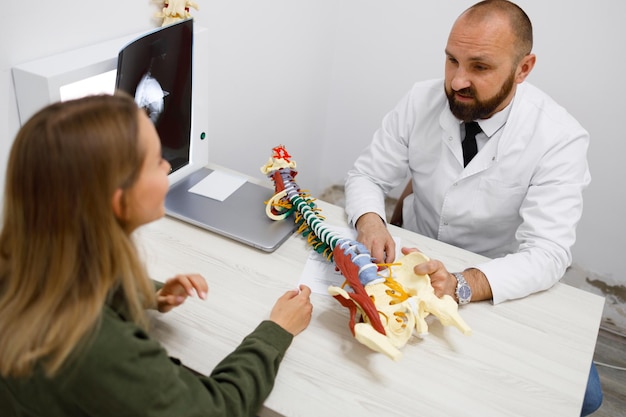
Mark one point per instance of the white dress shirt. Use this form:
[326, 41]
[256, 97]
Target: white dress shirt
[518, 201]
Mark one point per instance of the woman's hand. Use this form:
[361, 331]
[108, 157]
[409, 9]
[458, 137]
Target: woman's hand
[177, 289]
[293, 310]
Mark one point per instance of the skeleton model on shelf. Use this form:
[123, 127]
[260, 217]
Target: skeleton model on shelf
[175, 10]
[385, 305]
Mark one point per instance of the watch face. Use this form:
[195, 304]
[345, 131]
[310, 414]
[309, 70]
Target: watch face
[464, 292]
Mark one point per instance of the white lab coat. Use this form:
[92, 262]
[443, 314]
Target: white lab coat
[518, 201]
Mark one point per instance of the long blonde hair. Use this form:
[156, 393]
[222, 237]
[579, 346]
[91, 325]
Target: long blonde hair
[62, 250]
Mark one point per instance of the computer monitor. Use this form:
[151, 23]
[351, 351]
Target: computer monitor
[166, 70]
[156, 70]
[93, 70]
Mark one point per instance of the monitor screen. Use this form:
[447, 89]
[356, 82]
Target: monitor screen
[156, 69]
[182, 123]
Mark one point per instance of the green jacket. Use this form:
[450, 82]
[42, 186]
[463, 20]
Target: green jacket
[124, 372]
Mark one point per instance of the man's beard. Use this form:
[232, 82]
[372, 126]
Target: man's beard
[479, 109]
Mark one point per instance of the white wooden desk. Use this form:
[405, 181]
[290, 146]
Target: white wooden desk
[528, 357]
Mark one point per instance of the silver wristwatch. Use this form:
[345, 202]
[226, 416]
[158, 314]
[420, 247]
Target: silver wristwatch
[463, 291]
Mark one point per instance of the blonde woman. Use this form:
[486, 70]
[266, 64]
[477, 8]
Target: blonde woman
[82, 176]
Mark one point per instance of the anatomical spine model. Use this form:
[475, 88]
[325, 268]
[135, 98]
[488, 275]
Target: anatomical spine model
[385, 305]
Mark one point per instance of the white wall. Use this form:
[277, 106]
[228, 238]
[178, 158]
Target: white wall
[270, 68]
[318, 76]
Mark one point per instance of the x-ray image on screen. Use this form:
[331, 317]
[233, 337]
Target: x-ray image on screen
[156, 69]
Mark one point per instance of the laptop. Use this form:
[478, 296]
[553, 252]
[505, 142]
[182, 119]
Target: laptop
[157, 69]
[241, 216]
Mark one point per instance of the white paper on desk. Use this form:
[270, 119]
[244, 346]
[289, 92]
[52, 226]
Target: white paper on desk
[218, 185]
[319, 273]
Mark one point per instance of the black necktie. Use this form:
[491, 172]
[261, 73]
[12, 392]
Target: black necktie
[469, 143]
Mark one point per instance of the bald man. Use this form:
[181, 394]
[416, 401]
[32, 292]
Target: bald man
[495, 165]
